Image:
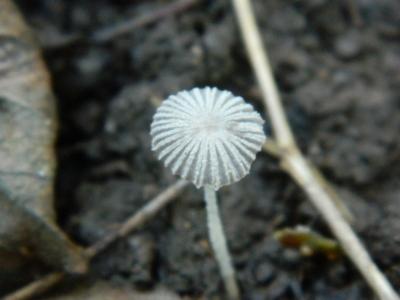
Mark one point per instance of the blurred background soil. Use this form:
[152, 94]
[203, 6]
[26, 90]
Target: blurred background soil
[337, 64]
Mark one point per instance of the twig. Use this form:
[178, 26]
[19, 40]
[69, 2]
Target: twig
[144, 214]
[354, 13]
[272, 148]
[294, 162]
[37, 287]
[109, 33]
[58, 40]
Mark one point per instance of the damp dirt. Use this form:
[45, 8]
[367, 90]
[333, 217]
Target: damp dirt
[337, 66]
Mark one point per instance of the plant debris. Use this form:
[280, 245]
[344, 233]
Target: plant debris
[343, 109]
[27, 162]
[308, 242]
[103, 290]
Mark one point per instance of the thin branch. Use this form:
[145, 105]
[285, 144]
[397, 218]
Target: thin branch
[262, 67]
[354, 12]
[144, 214]
[139, 218]
[57, 40]
[272, 148]
[126, 26]
[37, 287]
[295, 163]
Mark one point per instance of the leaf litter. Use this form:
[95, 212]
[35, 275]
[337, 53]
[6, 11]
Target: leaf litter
[28, 126]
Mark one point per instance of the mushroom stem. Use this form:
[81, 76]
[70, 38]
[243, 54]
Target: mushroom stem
[218, 242]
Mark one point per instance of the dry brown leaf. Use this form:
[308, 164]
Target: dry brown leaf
[108, 291]
[27, 162]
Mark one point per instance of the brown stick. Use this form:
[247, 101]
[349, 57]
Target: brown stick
[143, 215]
[110, 33]
[272, 148]
[37, 287]
[295, 163]
[354, 13]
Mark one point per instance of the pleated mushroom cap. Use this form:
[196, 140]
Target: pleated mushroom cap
[207, 136]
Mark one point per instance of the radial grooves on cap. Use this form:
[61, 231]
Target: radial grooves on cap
[216, 170]
[178, 164]
[246, 152]
[194, 173]
[204, 162]
[235, 165]
[207, 136]
[174, 154]
[191, 161]
[226, 164]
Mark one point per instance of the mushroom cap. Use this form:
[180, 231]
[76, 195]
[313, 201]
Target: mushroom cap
[207, 136]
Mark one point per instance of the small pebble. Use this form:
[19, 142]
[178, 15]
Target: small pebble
[264, 273]
[348, 46]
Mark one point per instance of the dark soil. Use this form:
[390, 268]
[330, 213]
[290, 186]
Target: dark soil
[340, 81]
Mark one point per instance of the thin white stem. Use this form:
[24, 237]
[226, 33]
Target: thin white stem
[296, 164]
[219, 245]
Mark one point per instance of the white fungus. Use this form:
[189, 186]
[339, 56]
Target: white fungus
[207, 136]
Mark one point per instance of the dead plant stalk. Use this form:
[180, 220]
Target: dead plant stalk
[296, 164]
[146, 213]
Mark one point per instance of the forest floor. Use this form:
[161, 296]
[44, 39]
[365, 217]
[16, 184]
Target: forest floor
[337, 65]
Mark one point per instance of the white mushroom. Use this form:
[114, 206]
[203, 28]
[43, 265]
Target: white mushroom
[209, 137]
